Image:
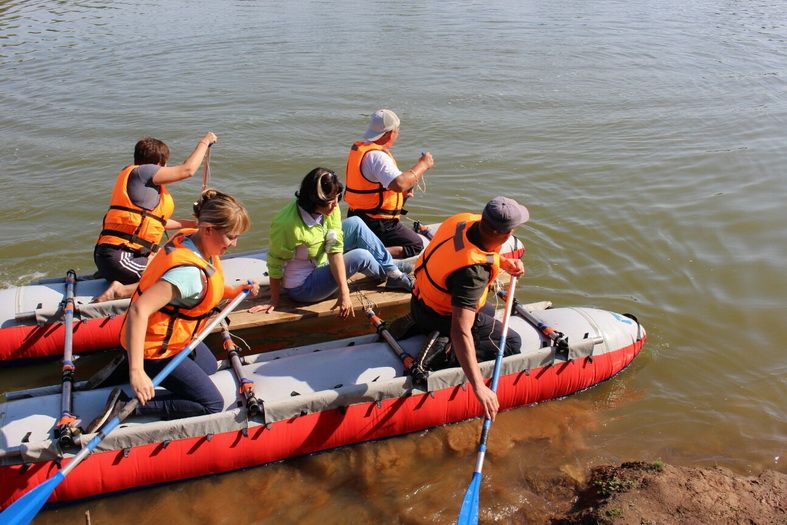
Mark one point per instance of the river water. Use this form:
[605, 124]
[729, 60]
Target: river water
[648, 140]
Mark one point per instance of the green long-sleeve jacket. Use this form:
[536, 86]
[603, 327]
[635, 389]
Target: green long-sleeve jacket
[288, 231]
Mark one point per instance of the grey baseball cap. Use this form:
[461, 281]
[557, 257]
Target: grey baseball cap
[382, 121]
[504, 214]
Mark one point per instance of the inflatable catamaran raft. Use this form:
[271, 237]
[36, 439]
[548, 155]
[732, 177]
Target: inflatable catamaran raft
[31, 316]
[302, 400]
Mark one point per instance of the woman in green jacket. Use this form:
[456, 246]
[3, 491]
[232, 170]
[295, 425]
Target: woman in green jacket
[312, 251]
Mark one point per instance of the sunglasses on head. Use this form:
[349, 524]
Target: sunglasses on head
[322, 198]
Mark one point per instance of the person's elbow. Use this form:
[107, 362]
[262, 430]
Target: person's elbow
[399, 184]
[169, 174]
[138, 312]
[186, 172]
[135, 312]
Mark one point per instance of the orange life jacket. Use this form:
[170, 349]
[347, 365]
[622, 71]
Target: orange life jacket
[365, 196]
[448, 251]
[171, 328]
[132, 227]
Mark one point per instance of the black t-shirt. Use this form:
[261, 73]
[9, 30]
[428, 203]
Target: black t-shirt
[467, 284]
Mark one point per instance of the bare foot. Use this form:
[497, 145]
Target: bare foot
[116, 290]
[397, 252]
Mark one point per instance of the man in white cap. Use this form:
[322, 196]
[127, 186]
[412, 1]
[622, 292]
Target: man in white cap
[453, 277]
[376, 188]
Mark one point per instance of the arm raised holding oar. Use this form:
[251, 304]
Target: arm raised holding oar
[175, 298]
[140, 210]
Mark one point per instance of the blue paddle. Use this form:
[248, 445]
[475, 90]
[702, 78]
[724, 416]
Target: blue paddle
[468, 514]
[23, 510]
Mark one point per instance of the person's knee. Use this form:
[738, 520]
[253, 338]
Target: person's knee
[352, 224]
[361, 260]
[366, 256]
[214, 404]
[513, 343]
[357, 256]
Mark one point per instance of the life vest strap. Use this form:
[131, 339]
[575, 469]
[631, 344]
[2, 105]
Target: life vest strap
[144, 213]
[370, 211]
[147, 246]
[174, 311]
[167, 336]
[422, 268]
[364, 192]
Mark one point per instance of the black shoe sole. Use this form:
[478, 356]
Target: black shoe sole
[98, 422]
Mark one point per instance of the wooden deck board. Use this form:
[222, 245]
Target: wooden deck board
[289, 310]
[297, 324]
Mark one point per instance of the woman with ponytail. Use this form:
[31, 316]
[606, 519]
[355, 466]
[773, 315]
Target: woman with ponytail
[176, 295]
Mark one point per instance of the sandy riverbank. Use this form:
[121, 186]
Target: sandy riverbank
[640, 493]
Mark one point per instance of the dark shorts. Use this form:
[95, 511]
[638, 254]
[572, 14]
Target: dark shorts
[118, 264]
[393, 233]
[486, 330]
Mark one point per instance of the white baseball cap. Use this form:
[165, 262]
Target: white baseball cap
[382, 121]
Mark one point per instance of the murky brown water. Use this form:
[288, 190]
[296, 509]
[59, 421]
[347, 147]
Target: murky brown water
[647, 139]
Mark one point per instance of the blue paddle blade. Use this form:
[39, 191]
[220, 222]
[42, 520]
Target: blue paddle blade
[23, 510]
[468, 514]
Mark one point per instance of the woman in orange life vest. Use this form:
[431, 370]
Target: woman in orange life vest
[140, 209]
[178, 291]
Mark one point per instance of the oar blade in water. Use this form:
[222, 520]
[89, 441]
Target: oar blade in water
[468, 514]
[23, 510]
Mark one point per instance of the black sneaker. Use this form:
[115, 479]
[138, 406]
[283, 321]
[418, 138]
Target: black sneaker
[401, 282]
[405, 266]
[115, 403]
[437, 353]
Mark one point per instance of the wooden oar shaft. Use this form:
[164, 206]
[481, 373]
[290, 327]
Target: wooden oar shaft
[206, 169]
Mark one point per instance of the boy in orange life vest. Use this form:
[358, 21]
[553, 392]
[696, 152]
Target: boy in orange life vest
[452, 280]
[140, 209]
[377, 188]
[178, 291]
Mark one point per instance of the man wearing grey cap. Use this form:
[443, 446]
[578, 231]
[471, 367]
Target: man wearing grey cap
[376, 188]
[453, 277]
